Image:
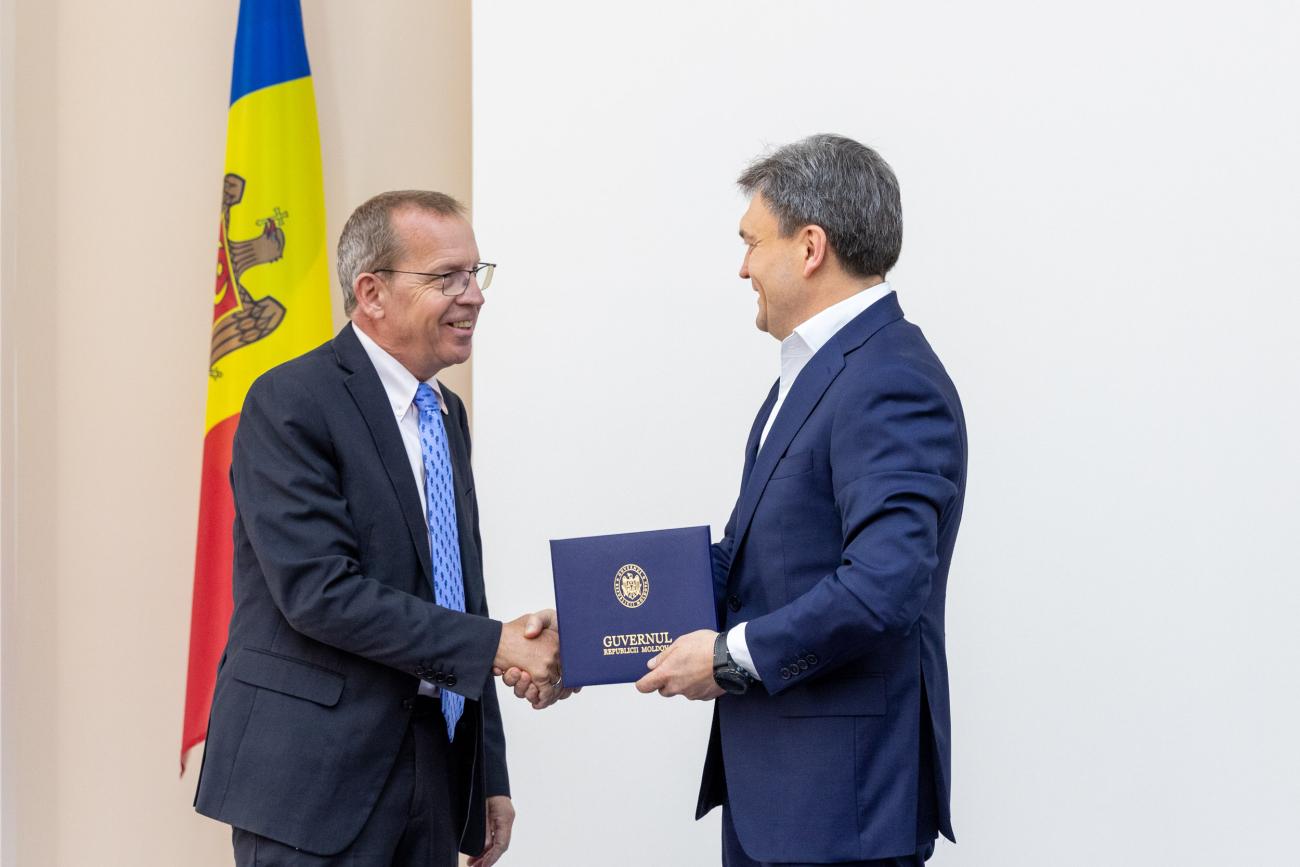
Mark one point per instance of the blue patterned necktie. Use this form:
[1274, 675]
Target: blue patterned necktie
[440, 514]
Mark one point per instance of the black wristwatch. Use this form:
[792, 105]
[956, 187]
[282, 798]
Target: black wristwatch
[726, 673]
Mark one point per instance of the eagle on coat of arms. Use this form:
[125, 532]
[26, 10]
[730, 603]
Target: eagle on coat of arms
[239, 319]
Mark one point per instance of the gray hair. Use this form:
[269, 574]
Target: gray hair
[368, 240]
[840, 185]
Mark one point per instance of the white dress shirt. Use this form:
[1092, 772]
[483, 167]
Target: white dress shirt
[400, 385]
[796, 350]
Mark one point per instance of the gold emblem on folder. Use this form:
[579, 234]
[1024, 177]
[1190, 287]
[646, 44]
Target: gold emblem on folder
[631, 585]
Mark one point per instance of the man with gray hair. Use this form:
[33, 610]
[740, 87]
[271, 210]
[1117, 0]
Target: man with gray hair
[355, 718]
[830, 740]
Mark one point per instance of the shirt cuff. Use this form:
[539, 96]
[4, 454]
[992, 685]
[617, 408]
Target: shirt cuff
[739, 650]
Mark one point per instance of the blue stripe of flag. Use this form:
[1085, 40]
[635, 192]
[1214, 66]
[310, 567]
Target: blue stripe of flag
[269, 46]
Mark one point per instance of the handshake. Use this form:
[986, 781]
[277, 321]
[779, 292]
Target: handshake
[528, 659]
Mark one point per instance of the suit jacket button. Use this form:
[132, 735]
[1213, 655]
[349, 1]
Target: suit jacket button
[803, 665]
[812, 659]
[451, 680]
[733, 602]
[408, 703]
[785, 673]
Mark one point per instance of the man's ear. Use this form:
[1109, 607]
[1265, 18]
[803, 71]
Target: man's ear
[368, 290]
[815, 247]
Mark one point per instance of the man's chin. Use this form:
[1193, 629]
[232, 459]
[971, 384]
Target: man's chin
[458, 358]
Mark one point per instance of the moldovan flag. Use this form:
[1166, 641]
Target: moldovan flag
[272, 292]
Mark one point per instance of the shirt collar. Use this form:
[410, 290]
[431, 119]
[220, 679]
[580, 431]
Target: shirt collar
[817, 331]
[399, 383]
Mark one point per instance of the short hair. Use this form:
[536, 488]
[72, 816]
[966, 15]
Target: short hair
[368, 240]
[842, 186]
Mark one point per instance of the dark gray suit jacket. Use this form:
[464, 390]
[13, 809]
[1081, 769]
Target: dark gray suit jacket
[334, 622]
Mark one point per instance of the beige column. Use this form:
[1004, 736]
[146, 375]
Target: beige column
[114, 135]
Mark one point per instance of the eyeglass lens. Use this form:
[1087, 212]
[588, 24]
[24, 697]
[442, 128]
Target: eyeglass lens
[457, 283]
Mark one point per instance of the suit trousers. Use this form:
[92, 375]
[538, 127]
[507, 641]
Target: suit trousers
[734, 856]
[414, 820]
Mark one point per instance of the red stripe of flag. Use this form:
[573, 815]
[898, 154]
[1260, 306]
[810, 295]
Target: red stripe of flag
[213, 602]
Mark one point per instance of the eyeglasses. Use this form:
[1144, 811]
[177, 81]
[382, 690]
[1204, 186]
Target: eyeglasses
[453, 283]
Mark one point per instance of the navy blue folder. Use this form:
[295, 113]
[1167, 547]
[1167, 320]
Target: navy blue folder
[621, 599]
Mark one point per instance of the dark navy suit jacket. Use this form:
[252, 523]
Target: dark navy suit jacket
[334, 622]
[837, 555]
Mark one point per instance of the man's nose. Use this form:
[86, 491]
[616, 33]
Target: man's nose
[473, 295]
[744, 267]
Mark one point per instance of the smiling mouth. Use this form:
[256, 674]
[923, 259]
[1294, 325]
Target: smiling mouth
[463, 325]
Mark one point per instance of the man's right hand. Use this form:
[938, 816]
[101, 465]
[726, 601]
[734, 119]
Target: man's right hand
[541, 688]
[526, 648]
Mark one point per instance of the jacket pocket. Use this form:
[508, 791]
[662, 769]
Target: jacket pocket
[286, 675]
[839, 696]
[793, 465]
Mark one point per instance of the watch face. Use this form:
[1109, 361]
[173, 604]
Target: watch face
[733, 682]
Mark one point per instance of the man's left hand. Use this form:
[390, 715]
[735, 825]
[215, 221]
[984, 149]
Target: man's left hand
[685, 668]
[500, 819]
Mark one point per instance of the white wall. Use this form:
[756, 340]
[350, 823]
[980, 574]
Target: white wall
[1102, 225]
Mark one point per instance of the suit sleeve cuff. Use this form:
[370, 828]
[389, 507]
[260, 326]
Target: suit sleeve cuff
[739, 650]
[498, 782]
[476, 648]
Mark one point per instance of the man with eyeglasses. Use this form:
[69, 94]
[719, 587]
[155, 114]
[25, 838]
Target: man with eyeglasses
[354, 719]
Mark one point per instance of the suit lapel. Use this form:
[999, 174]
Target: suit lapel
[756, 431]
[462, 484]
[368, 393]
[805, 394]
